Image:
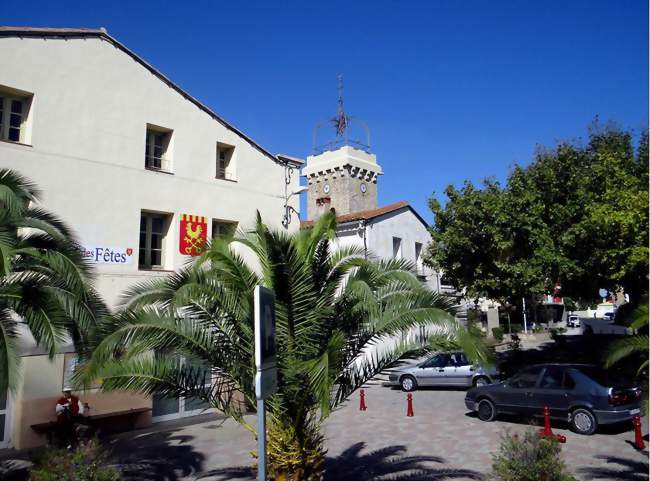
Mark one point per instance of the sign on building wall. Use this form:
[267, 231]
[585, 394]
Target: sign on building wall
[193, 234]
[108, 255]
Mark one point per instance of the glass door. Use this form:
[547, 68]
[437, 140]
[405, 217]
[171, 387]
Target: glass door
[5, 420]
[165, 408]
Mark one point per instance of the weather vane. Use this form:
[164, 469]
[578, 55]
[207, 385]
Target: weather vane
[342, 123]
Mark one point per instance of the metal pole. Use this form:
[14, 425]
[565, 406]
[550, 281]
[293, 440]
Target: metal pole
[523, 302]
[261, 440]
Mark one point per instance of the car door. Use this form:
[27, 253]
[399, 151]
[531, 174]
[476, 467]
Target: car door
[517, 396]
[432, 373]
[553, 391]
[462, 370]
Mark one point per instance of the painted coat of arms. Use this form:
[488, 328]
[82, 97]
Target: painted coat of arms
[193, 234]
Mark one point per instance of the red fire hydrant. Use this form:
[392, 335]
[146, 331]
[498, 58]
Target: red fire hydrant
[638, 434]
[547, 432]
[409, 405]
[362, 400]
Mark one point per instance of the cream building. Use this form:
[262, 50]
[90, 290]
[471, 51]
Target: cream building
[126, 158]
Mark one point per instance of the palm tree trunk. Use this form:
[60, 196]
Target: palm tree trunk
[295, 450]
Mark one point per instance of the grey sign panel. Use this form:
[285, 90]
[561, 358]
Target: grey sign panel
[265, 344]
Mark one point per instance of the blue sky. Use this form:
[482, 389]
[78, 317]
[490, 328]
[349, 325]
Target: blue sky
[451, 90]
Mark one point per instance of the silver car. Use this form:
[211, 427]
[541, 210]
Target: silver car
[442, 369]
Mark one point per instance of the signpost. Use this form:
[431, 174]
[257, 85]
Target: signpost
[266, 377]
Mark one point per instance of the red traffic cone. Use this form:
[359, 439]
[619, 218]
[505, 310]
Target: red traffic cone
[362, 400]
[638, 434]
[409, 405]
[547, 431]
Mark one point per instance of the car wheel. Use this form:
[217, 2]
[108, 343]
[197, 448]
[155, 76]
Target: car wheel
[408, 383]
[583, 422]
[481, 381]
[486, 409]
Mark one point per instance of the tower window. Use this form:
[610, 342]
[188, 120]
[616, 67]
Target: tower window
[225, 164]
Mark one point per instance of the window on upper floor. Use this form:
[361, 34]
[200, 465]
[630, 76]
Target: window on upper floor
[225, 162]
[397, 248]
[158, 151]
[153, 231]
[222, 229]
[418, 256]
[15, 107]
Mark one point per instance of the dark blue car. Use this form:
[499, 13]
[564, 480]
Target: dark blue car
[581, 394]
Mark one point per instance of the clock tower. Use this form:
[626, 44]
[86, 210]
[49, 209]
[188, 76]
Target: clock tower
[342, 174]
[344, 179]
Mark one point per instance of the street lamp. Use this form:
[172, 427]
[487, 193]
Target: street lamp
[289, 210]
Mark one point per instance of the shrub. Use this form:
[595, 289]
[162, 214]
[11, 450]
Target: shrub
[516, 329]
[529, 458]
[497, 332]
[557, 334]
[87, 462]
[515, 342]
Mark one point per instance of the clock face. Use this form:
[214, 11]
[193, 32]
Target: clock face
[326, 188]
[363, 188]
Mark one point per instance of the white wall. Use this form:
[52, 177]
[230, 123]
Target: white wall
[404, 224]
[91, 104]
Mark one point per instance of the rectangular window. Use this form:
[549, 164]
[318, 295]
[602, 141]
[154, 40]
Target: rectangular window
[222, 229]
[14, 110]
[157, 152]
[419, 264]
[153, 229]
[397, 248]
[225, 164]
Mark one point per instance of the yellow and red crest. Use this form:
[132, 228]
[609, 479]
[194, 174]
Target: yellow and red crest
[193, 234]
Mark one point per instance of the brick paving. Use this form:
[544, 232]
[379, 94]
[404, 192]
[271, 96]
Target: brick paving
[442, 441]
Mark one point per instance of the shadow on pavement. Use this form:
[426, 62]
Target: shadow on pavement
[389, 463]
[157, 456]
[623, 469]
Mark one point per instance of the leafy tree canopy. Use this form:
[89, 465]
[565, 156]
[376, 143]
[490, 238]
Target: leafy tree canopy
[577, 214]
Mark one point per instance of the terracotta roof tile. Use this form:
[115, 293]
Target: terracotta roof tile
[363, 214]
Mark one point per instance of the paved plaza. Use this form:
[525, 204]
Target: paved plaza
[442, 441]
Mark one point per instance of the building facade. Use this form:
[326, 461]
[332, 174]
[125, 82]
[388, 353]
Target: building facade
[137, 167]
[346, 180]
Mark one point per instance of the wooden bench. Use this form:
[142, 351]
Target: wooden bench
[106, 423]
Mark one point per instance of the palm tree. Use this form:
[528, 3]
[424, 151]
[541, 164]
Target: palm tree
[177, 334]
[45, 285]
[634, 345]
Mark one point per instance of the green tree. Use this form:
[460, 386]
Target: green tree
[45, 286]
[636, 345]
[577, 214]
[330, 307]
